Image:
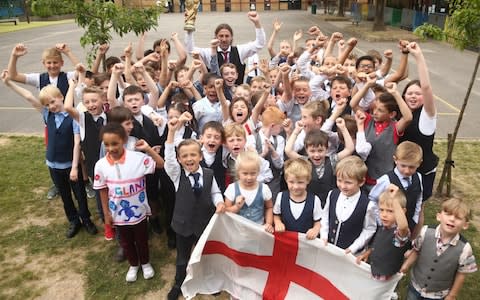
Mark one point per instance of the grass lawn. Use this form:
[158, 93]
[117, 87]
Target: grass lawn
[37, 260]
[10, 27]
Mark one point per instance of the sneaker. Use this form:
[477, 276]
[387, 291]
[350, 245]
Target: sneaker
[90, 227]
[73, 229]
[132, 274]
[52, 192]
[89, 190]
[109, 232]
[174, 293]
[148, 271]
[120, 255]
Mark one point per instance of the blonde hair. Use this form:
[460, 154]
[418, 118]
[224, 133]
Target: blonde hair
[299, 168]
[458, 208]
[247, 157]
[352, 167]
[48, 92]
[410, 152]
[234, 129]
[52, 53]
[388, 200]
[317, 108]
[272, 115]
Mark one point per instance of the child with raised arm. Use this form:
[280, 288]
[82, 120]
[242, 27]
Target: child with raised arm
[323, 166]
[390, 240]
[349, 220]
[297, 209]
[248, 197]
[63, 153]
[407, 157]
[197, 199]
[382, 130]
[442, 256]
[120, 178]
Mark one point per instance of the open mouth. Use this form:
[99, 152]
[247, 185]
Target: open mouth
[211, 147]
[236, 149]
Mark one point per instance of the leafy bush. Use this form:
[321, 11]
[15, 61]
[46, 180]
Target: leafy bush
[429, 31]
[48, 8]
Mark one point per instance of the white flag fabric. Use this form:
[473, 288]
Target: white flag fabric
[238, 256]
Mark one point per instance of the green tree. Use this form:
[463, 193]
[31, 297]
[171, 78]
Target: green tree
[464, 30]
[101, 19]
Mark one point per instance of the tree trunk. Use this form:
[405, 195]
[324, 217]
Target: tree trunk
[379, 24]
[341, 6]
[448, 160]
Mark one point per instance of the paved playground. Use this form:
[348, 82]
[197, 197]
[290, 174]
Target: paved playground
[450, 69]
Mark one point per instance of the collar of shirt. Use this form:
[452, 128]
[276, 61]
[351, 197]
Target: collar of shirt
[438, 237]
[380, 126]
[111, 161]
[402, 178]
[199, 170]
[221, 50]
[139, 118]
[103, 115]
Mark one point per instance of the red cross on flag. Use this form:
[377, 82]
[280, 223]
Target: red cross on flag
[238, 256]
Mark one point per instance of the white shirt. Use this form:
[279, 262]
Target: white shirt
[248, 194]
[174, 170]
[345, 207]
[34, 79]
[244, 50]
[125, 180]
[206, 111]
[280, 149]
[297, 208]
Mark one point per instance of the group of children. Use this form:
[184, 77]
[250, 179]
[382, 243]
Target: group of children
[315, 143]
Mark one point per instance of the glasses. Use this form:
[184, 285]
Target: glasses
[365, 66]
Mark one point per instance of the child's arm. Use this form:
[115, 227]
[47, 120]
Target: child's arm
[223, 100]
[278, 224]
[181, 52]
[402, 70]
[68, 104]
[127, 72]
[24, 93]
[289, 151]
[313, 232]
[142, 145]
[276, 28]
[140, 48]
[400, 217]
[362, 147]
[457, 285]
[411, 259]
[268, 207]
[336, 36]
[385, 67]
[18, 50]
[117, 71]
[76, 156]
[64, 49]
[347, 138]
[106, 210]
[287, 88]
[257, 110]
[152, 87]
[234, 207]
[427, 93]
[102, 50]
[351, 43]
[166, 93]
[354, 102]
[297, 35]
[402, 105]
[172, 167]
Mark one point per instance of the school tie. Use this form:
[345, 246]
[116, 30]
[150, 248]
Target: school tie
[99, 122]
[225, 57]
[408, 181]
[197, 188]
